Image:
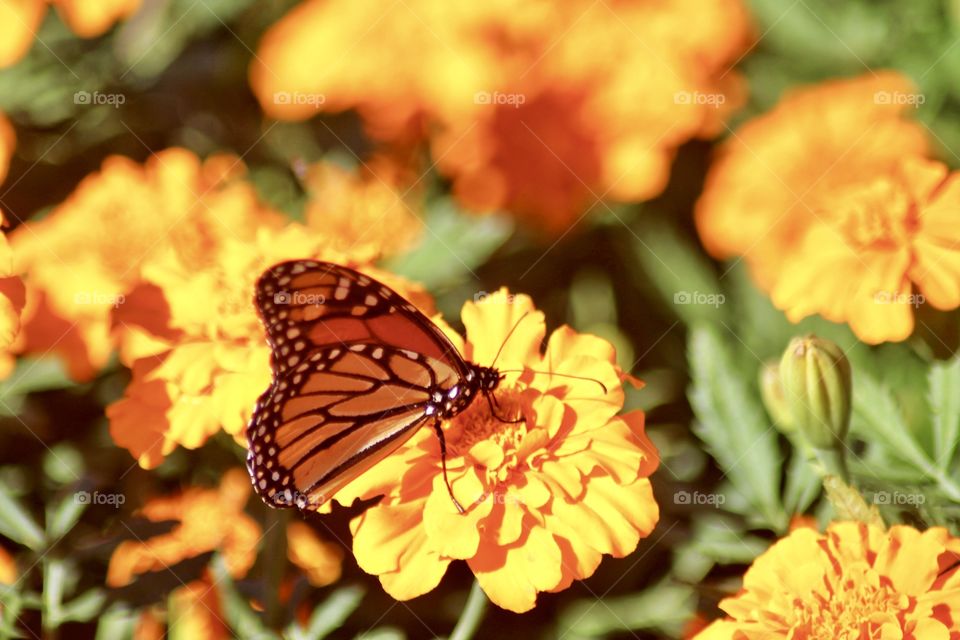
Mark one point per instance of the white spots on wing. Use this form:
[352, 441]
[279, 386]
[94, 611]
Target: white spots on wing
[377, 353]
[370, 300]
[298, 268]
[357, 347]
[430, 410]
[453, 393]
[413, 355]
[293, 332]
[341, 293]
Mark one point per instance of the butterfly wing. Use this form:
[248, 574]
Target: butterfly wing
[354, 368]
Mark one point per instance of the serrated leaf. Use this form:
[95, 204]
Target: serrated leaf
[944, 399]
[329, 615]
[734, 426]
[848, 503]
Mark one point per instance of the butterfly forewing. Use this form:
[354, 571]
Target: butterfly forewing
[357, 370]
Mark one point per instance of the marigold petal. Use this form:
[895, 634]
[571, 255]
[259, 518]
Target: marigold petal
[511, 577]
[453, 534]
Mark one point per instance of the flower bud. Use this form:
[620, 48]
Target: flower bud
[816, 380]
[771, 391]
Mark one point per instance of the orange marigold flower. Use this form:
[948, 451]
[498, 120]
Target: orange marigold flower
[20, 20]
[854, 581]
[531, 106]
[321, 561]
[83, 258]
[208, 520]
[206, 362]
[545, 497]
[831, 203]
[12, 294]
[8, 567]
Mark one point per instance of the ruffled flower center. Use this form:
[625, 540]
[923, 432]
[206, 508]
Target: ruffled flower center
[493, 422]
[861, 605]
[879, 214]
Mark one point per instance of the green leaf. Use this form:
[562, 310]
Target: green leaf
[241, 618]
[945, 407]
[31, 374]
[84, 607]
[732, 423]
[55, 577]
[63, 516]
[677, 269]
[453, 244]
[665, 607]
[383, 633]
[17, 524]
[116, 622]
[329, 615]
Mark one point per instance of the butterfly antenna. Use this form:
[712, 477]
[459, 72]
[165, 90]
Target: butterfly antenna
[559, 375]
[509, 333]
[493, 410]
[443, 463]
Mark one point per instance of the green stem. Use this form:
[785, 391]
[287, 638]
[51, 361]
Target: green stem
[275, 564]
[472, 614]
[834, 462]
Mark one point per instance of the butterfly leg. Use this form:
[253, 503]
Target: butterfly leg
[443, 462]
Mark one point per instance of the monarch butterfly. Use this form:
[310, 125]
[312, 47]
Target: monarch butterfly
[357, 370]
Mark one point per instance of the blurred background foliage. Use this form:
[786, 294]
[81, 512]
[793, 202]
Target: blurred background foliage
[700, 362]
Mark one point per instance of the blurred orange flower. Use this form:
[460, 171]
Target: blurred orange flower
[518, 116]
[321, 561]
[830, 201]
[12, 294]
[20, 20]
[854, 581]
[83, 258]
[8, 567]
[545, 498]
[208, 520]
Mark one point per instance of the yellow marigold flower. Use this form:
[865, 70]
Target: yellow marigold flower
[20, 20]
[831, 203]
[545, 497]
[209, 519]
[854, 581]
[83, 257]
[534, 106]
[207, 361]
[321, 561]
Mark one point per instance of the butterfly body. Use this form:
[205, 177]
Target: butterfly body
[357, 370]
